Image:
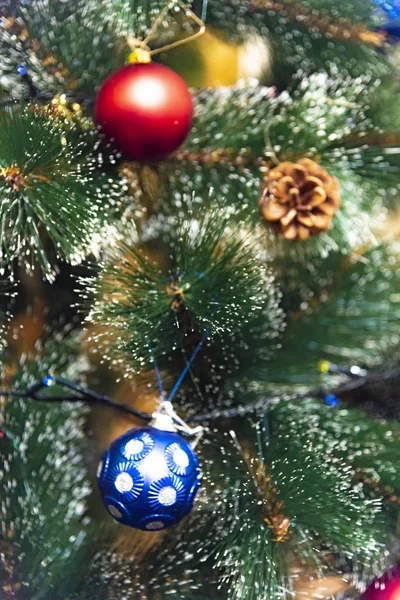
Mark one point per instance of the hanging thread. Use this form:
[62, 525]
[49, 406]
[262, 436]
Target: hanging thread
[144, 44]
[183, 374]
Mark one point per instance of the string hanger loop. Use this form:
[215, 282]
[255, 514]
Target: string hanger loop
[143, 45]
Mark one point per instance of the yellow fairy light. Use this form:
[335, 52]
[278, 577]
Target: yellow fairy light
[49, 60]
[324, 366]
[61, 107]
[9, 22]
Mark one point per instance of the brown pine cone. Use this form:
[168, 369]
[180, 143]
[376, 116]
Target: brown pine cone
[299, 199]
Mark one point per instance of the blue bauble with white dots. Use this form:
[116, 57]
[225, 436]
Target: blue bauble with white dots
[149, 478]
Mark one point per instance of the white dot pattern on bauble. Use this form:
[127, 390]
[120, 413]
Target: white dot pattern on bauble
[124, 482]
[134, 447]
[99, 468]
[167, 495]
[180, 458]
[154, 525]
[114, 511]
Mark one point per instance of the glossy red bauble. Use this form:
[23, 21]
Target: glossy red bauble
[386, 587]
[145, 109]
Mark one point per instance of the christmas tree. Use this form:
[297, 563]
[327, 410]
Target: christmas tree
[200, 300]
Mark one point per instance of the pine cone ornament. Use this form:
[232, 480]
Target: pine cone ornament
[299, 199]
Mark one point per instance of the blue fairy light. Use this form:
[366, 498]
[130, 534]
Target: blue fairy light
[331, 400]
[22, 70]
[48, 380]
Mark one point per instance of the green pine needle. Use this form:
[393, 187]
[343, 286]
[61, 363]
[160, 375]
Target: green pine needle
[51, 188]
[334, 120]
[352, 319]
[198, 556]
[369, 446]
[318, 491]
[241, 132]
[213, 282]
[297, 43]
[45, 483]
[73, 46]
[68, 46]
[249, 575]
[226, 544]
[138, 16]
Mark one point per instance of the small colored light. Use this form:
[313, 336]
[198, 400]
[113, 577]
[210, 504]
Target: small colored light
[331, 400]
[324, 366]
[22, 70]
[49, 381]
[358, 371]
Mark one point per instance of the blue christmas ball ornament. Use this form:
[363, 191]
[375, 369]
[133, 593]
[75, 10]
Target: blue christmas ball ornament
[392, 26]
[391, 7]
[149, 478]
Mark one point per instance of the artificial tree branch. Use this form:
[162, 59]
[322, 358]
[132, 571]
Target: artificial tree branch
[339, 29]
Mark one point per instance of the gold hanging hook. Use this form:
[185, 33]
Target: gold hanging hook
[144, 44]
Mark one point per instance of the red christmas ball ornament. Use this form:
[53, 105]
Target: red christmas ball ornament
[146, 110]
[386, 587]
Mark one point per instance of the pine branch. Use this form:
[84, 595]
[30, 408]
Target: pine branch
[293, 478]
[233, 118]
[335, 121]
[378, 392]
[369, 446]
[314, 15]
[318, 491]
[352, 320]
[227, 510]
[303, 498]
[239, 134]
[309, 35]
[213, 282]
[92, 40]
[43, 522]
[51, 187]
[249, 575]
[6, 292]
[249, 579]
[137, 17]
[88, 47]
